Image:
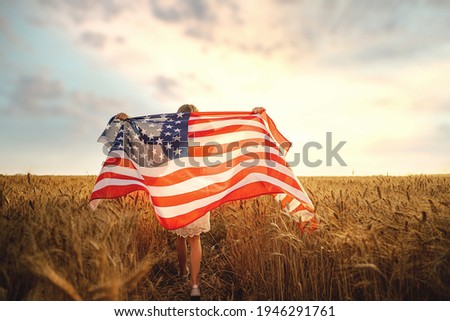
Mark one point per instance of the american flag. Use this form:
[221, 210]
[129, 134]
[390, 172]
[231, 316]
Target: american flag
[190, 163]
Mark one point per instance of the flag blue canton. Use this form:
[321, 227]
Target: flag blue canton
[150, 140]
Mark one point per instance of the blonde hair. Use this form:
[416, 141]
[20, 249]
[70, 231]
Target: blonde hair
[187, 108]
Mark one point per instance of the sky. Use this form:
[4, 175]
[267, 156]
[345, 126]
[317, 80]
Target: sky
[373, 74]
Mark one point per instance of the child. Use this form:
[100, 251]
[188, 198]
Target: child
[192, 231]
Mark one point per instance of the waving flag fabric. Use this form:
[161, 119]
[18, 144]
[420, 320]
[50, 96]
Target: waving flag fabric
[189, 163]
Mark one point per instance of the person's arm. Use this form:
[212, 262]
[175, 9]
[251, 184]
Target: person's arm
[258, 110]
[122, 116]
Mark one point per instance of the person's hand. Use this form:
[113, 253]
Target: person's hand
[258, 110]
[122, 116]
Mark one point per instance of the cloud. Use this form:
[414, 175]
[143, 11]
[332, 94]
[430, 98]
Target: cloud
[35, 95]
[80, 11]
[7, 32]
[199, 33]
[370, 71]
[255, 41]
[92, 102]
[339, 31]
[95, 40]
[177, 11]
[166, 87]
[41, 96]
[355, 31]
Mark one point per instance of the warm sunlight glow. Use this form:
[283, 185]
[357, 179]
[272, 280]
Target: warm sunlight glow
[371, 75]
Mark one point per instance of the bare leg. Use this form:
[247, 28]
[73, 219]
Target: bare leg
[196, 258]
[182, 254]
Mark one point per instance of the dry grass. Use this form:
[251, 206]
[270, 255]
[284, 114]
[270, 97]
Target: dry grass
[380, 238]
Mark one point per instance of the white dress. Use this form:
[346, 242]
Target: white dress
[200, 225]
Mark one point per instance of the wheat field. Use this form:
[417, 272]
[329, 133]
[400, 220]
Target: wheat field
[379, 238]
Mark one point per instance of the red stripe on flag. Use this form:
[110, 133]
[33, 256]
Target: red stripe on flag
[118, 161]
[115, 191]
[218, 149]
